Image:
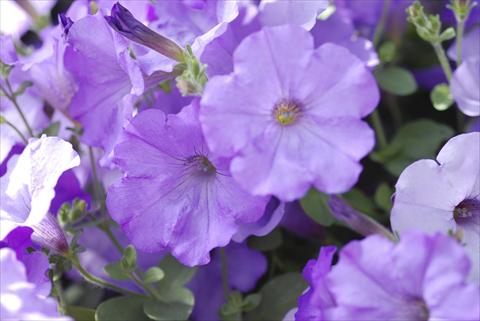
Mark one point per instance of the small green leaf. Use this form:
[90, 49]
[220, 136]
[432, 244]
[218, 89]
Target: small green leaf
[251, 302]
[233, 308]
[115, 271]
[396, 80]
[129, 259]
[315, 205]
[126, 308]
[23, 86]
[447, 34]
[269, 242]
[383, 196]
[441, 97]
[279, 295]
[80, 313]
[153, 275]
[51, 130]
[163, 311]
[387, 51]
[415, 140]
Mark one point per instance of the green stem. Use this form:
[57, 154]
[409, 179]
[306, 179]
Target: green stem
[381, 24]
[442, 58]
[59, 294]
[97, 188]
[150, 290]
[223, 259]
[379, 131]
[460, 29]
[16, 130]
[96, 280]
[11, 96]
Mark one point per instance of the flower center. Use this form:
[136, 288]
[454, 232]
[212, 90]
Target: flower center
[286, 111]
[467, 212]
[201, 164]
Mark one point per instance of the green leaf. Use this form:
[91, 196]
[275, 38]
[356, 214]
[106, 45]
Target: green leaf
[441, 97]
[251, 302]
[416, 140]
[396, 80]
[51, 130]
[387, 51]
[126, 308]
[163, 311]
[269, 242]
[315, 205]
[22, 87]
[447, 34]
[115, 271]
[232, 310]
[129, 259]
[153, 274]
[383, 196]
[279, 296]
[80, 313]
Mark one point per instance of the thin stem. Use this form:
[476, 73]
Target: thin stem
[97, 189]
[460, 30]
[11, 96]
[226, 286]
[442, 58]
[59, 294]
[105, 228]
[381, 24]
[379, 131]
[16, 130]
[98, 281]
[150, 290]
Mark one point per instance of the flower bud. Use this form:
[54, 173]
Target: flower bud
[122, 21]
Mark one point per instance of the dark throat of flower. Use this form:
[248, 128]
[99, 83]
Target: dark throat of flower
[287, 111]
[467, 212]
[201, 165]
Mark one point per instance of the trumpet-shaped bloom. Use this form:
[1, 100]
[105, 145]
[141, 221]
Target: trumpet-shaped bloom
[175, 195]
[293, 114]
[21, 299]
[420, 278]
[28, 188]
[444, 195]
[464, 86]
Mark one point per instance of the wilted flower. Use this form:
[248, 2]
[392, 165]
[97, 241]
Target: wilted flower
[293, 114]
[420, 278]
[176, 195]
[444, 195]
[28, 188]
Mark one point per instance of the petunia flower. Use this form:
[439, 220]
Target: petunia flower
[28, 188]
[175, 195]
[245, 267]
[300, 13]
[21, 299]
[444, 195]
[293, 114]
[420, 278]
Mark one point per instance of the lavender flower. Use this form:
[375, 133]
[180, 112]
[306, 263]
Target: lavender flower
[464, 86]
[124, 22]
[281, 12]
[22, 300]
[245, 267]
[420, 278]
[36, 262]
[28, 188]
[288, 106]
[444, 195]
[175, 195]
[105, 96]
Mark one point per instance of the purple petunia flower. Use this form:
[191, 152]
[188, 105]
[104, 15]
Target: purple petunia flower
[175, 195]
[28, 188]
[282, 12]
[105, 96]
[245, 267]
[36, 262]
[293, 114]
[444, 195]
[21, 299]
[420, 278]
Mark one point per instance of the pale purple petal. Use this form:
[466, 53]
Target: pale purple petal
[464, 87]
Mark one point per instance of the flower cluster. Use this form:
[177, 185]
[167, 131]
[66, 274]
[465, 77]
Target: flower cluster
[188, 157]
